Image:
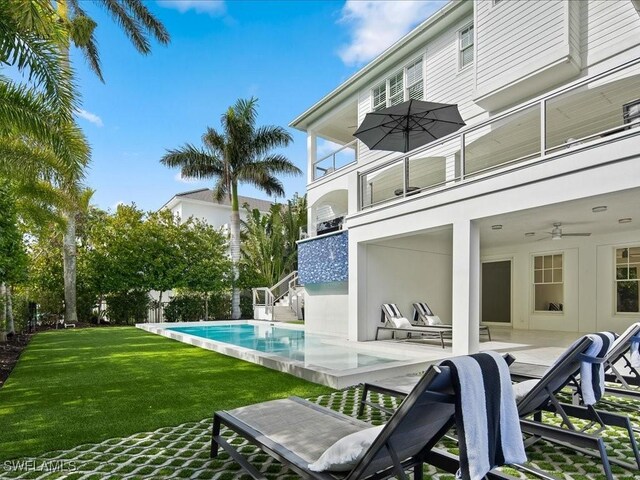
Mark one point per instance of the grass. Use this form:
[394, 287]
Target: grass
[87, 385]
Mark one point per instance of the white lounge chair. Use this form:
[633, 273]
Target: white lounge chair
[424, 316]
[392, 320]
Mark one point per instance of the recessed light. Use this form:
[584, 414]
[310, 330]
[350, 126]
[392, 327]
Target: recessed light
[601, 208]
[624, 220]
[529, 234]
[496, 227]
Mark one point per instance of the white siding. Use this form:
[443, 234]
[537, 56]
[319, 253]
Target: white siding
[444, 82]
[511, 36]
[609, 27]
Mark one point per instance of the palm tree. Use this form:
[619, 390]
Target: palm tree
[240, 153]
[139, 24]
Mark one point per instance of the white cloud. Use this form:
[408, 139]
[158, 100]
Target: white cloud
[90, 117]
[212, 7]
[376, 24]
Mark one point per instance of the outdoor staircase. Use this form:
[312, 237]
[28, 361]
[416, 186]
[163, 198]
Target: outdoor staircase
[281, 303]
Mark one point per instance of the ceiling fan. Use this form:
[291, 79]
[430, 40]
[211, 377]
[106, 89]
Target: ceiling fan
[556, 233]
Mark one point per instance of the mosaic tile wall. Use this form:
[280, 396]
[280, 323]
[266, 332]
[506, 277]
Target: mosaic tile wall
[324, 259]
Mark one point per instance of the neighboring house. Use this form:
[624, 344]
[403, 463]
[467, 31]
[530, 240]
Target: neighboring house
[199, 204]
[550, 92]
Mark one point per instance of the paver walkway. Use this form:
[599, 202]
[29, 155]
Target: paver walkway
[183, 452]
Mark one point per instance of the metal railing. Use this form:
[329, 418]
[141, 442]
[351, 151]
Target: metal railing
[341, 157]
[268, 296]
[595, 109]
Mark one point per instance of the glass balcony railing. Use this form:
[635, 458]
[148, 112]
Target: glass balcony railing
[335, 160]
[588, 111]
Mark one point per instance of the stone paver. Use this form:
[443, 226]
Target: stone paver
[183, 452]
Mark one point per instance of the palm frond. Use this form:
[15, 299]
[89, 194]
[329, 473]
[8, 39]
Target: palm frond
[268, 137]
[82, 28]
[41, 59]
[221, 190]
[150, 21]
[271, 164]
[129, 24]
[193, 162]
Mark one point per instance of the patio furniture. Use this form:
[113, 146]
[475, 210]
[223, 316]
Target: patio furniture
[621, 384]
[297, 433]
[536, 397]
[424, 316]
[393, 321]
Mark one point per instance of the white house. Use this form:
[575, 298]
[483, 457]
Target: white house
[200, 204]
[550, 92]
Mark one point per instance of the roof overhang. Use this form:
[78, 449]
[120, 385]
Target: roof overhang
[436, 23]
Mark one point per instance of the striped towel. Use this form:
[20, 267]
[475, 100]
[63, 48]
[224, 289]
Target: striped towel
[634, 348]
[487, 420]
[591, 366]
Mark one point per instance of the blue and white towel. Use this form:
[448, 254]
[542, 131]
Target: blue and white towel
[592, 368]
[634, 349]
[487, 420]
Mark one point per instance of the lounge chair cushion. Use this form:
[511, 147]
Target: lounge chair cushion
[433, 320]
[521, 389]
[343, 455]
[401, 322]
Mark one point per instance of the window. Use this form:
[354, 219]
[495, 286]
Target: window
[466, 46]
[405, 84]
[548, 288]
[627, 292]
[631, 112]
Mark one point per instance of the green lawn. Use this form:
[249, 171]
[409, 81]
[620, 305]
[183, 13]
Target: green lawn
[87, 385]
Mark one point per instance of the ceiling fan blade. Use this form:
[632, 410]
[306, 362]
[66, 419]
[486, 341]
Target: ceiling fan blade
[576, 234]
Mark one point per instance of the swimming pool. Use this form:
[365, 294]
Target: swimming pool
[288, 343]
[324, 359]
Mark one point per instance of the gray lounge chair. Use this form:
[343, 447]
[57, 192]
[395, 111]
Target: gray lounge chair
[390, 313]
[297, 432]
[543, 398]
[424, 316]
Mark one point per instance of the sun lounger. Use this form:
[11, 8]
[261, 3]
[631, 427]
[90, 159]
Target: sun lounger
[297, 433]
[541, 397]
[623, 384]
[424, 316]
[393, 321]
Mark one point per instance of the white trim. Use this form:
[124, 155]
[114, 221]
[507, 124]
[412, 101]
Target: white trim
[533, 283]
[614, 303]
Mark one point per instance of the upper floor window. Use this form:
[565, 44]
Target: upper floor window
[627, 270]
[405, 84]
[466, 46]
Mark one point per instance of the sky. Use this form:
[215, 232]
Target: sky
[288, 54]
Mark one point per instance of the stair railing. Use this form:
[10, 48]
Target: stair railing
[269, 296]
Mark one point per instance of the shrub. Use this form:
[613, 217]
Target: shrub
[127, 307]
[184, 308]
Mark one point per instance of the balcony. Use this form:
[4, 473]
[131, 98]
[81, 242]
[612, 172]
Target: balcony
[341, 157]
[594, 110]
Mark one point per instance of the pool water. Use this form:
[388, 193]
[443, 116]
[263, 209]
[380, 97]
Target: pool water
[288, 343]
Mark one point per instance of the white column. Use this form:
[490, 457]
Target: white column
[357, 321]
[312, 155]
[466, 287]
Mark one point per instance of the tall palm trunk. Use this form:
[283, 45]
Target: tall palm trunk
[69, 249]
[3, 311]
[235, 252]
[69, 253]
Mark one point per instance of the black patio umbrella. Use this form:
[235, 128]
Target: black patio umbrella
[408, 125]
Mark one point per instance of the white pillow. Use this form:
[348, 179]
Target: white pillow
[343, 455]
[401, 322]
[521, 389]
[434, 320]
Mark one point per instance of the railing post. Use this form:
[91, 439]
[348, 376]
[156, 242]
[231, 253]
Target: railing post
[462, 156]
[405, 175]
[543, 127]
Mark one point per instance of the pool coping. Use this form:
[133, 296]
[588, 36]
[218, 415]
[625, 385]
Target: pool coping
[338, 379]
